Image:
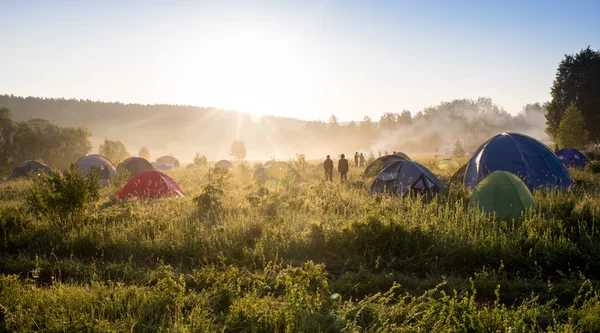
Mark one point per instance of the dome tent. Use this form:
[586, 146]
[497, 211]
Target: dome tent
[224, 164]
[402, 177]
[520, 155]
[163, 167]
[28, 167]
[261, 173]
[320, 169]
[379, 164]
[276, 170]
[97, 163]
[135, 166]
[572, 158]
[150, 184]
[168, 160]
[504, 194]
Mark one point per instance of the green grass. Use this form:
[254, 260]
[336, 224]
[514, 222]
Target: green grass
[308, 257]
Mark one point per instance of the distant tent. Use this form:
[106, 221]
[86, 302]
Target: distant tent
[459, 175]
[224, 164]
[373, 169]
[403, 177]
[572, 158]
[135, 166]
[447, 164]
[268, 163]
[320, 169]
[28, 167]
[97, 163]
[520, 155]
[150, 184]
[277, 170]
[504, 194]
[164, 167]
[168, 160]
[261, 173]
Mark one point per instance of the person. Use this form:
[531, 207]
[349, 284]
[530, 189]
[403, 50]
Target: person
[386, 153]
[328, 165]
[343, 167]
[362, 160]
[379, 153]
[356, 159]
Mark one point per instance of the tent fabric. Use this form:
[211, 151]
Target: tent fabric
[150, 184]
[520, 155]
[100, 164]
[373, 169]
[504, 194]
[459, 175]
[224, 164]
[261, 173]
[572, 158]
[135, 166]
[447, 164]
[402, 177]
[164, 167]
[29, 166]
[276, 170]
[168, 160]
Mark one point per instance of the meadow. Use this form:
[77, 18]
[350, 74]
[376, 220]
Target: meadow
[279, 256]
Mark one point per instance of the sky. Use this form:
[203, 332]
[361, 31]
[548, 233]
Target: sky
[303, 59]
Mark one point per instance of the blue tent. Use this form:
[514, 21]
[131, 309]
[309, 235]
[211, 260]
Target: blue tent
[572, 158]
[521, 155]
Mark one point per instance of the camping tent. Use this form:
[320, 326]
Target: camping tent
[164, 167]
[135, 166]
[572, 158]
[404, 176]
[261, 173]
[276, 170]
[168, 160]
[447, 164]
[504, 194]
[521, 155]
[27, 167]
[224, 164]
[379, 164]
[459, 175]
[97, 163]
[320, 169]
[150, 184]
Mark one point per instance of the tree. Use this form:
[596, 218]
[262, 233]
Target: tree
[458, 150]
[333, 122]
[577, 81]
[115, 151]
[238, 150]
[200, 160]
[144, 153]
[571, 131]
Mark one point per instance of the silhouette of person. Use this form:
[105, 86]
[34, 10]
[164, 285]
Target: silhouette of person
[328, 165]
[362, 160]
[356, 159]
[386, 153]
[379, 153]
[343, 167]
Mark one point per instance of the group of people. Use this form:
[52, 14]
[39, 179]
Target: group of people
[359, 160]
[343, 167]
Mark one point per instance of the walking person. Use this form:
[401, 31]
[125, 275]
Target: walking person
[362, 160]
[328, 165]
[356, 159]
[343, 168]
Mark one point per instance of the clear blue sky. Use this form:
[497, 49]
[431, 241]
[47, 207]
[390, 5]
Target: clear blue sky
[306, 59]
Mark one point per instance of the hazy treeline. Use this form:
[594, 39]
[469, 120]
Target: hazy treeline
[39, 139]
[183, 130]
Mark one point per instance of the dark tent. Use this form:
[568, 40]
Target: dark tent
[520, 155]
[28, 167]
[459, 175]
[572, 158]
[268, 163]
[224, 164]
[168, 160]
[379, 164]
[164, 167]
[277, 171]
[402, 177]
[320, 169]
[97, 163]
[135, 166]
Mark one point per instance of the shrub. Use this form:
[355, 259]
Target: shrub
[64, 199]
[593, 166]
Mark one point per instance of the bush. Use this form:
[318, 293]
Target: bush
[64, 199]
[593, 166]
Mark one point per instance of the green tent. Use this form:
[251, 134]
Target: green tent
[503, 193]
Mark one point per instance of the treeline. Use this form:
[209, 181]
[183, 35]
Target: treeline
[183, 130]
[39, 139]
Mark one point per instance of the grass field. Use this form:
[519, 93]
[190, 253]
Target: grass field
[284, 257]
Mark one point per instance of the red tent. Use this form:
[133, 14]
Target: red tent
[150, 184]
